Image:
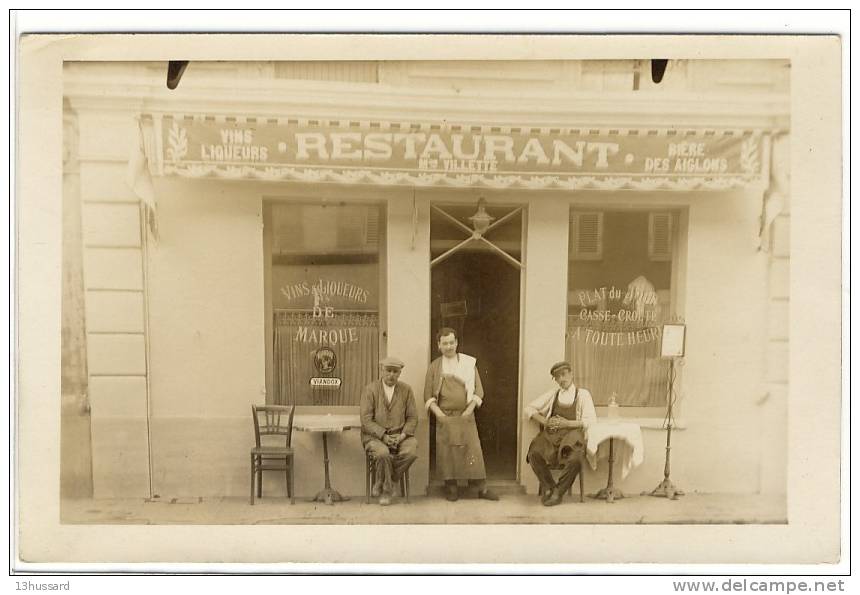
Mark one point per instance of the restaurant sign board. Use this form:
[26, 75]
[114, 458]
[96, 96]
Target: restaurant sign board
[439, 153]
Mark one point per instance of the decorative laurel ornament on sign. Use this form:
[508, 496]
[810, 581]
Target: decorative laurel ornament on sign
[749, 161]
[177, 141]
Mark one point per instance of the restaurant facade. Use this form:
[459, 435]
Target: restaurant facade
[267, 232]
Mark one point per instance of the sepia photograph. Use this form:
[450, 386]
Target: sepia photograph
[355, 291]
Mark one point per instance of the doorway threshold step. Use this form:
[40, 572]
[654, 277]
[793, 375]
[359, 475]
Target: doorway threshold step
[500, 486]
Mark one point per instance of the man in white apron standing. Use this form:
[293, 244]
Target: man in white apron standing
[452, 391]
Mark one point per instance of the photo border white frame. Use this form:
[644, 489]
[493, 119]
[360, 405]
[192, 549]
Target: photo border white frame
[40, 533]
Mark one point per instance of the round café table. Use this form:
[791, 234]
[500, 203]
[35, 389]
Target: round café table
[323, 424]
[629, 435]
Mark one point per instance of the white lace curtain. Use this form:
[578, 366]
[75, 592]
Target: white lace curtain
[618, 358]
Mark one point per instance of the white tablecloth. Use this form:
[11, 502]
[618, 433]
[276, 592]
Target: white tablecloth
[628, 443]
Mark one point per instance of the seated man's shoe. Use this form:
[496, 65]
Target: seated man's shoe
[385, 499]
[452, 493]
[547, 494]
[554, 499]
[486, 494]
[376, 490]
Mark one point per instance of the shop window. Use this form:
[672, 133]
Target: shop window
[325, 294]
[618, 302]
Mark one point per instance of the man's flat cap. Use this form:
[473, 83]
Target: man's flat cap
[559, 366]
[391, 362]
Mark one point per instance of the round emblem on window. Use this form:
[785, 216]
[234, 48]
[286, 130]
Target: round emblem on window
[325, 360]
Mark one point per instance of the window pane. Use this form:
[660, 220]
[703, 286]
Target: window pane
[619, 284]
[325, 297]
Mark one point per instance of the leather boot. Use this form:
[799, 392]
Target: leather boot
[487, 494]
[547, 494]
[555, 498]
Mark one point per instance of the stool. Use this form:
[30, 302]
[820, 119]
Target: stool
[370, 471]
[579, 479]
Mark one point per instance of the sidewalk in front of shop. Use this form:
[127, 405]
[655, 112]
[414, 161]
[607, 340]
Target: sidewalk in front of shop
[511, 509]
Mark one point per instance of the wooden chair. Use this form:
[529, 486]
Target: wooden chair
[370, 472]
[275, 421]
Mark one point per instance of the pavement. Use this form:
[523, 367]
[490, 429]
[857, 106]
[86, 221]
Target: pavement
[692, 508]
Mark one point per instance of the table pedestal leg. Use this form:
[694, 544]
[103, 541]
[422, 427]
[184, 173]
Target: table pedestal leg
[328, 494]
[610, 493]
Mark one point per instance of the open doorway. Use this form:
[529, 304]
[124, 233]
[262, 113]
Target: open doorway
[475, 289]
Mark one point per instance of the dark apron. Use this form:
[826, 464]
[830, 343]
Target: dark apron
[458, 447]
[562, 446]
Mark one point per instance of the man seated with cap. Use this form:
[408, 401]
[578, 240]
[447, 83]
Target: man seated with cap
[388, 422]
[563, 413]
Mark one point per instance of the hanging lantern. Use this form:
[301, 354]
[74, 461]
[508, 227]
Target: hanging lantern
[481, 220]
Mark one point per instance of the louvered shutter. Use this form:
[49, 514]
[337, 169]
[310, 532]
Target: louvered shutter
[371, 235]
[587, 236]
[358, 229]
[660, 236]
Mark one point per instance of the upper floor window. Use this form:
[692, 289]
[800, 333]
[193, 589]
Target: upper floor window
[354, 71]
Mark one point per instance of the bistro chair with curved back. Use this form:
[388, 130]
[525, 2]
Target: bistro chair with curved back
[369, 476]
[273, 430]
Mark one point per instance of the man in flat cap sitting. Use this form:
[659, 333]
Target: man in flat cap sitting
[562, 413]
[388, 422]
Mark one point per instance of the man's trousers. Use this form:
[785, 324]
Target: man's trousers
[391, 464]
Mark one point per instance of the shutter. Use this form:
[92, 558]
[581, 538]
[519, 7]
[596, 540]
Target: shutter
[587, 236]
[288, 230]
[350, 229]
[358, 228]
[660, 236]
[371, 236]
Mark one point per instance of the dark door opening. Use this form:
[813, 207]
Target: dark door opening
[477, 292]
